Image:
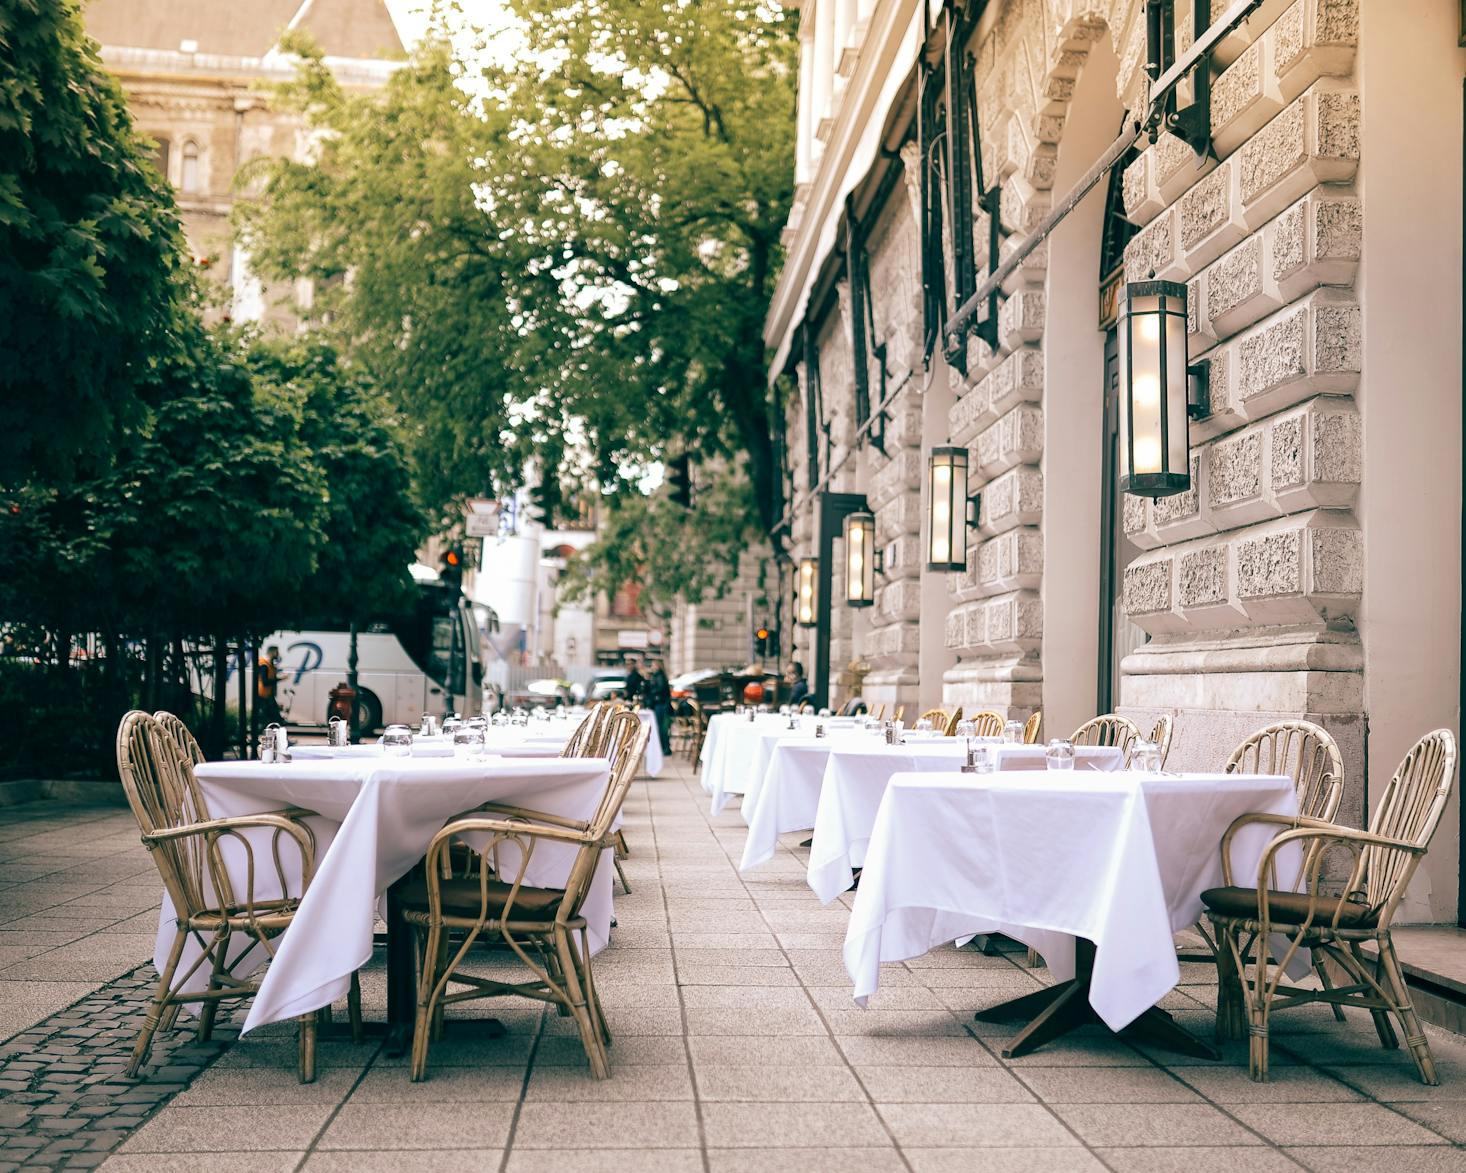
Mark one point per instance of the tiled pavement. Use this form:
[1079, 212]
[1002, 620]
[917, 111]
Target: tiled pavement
[737, 1048]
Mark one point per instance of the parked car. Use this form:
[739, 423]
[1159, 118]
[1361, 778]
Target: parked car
[688, 685]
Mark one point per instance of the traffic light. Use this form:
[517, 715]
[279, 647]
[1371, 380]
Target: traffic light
[544, 502]
[679, 477]
[766, 644]
[450, 569]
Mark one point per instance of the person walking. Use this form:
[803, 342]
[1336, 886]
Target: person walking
[635, 682]
[267, 681]
[798, 685]
[659, 701]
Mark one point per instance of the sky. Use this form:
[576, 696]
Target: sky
[411, 16]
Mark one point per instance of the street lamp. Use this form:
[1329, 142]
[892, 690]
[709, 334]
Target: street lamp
[946, 542]
[806, 592]
[1155, 448]
[861, 558]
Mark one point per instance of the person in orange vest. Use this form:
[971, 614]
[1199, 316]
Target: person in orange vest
[267, 680]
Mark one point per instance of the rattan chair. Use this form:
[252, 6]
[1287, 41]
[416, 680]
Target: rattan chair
[542, 927]
[880, 712]
[952, 721]
[182, 736]
[1306, 753]
[189, 849]
[938, 718]
[1109, 729]
[987, 723]
[1312, 914]
[1032, 726]
[1160, 734]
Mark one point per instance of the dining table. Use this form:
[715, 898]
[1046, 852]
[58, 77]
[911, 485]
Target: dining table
[854, 784]
[1097, 871]
[375, 814]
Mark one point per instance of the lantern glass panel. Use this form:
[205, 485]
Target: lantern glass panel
[1178, 455]
[806, 586]
[941, 519]
[1146, 387]
[860, 581]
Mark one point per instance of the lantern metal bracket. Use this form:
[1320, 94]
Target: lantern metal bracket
[974, 511]
[1192, 125]
[1198, 390]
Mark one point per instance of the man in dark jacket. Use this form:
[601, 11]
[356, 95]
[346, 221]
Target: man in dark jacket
[798, 685]
[635, 682]
[658, 696]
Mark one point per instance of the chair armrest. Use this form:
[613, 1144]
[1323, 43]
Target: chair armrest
[537, 816]
[277, 822]
[1321, 837]
[511, 826]
[212, 829]
[1253, 817]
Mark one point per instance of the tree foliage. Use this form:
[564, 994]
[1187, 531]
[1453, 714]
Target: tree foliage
[90, 249]
[572, 253]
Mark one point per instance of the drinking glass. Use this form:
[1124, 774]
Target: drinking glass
[451, 722]
[1059, 754]
[982, 755]
[468, 741]
[397, 741]
[783, 710]
[1013, 732]
[1146, 757]
[824, 712]
[966, 730]
[922, 726]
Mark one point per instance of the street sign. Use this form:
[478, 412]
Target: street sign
[483, 522]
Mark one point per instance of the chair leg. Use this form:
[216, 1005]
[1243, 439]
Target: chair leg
[427, 983]
[621, 874]
[442, 964]
[592, 999]
[1256, 1001]
[156, 1007]
[1405, 1010]
[308, 1047]
[1327, 982]
[353, 1006]
[1382, 1024]
[1034, 959]
[1231, 996]
[590, 1036]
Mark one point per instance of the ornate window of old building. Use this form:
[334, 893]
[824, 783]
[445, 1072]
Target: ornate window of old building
[189, 177]
[160, 157]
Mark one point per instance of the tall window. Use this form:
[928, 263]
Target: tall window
[189, 180]
[160, 157]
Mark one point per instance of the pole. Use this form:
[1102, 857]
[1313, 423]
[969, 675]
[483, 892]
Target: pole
[243, 699]
[351, 684]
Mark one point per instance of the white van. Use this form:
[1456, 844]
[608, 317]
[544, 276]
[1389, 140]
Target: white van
[426, 661]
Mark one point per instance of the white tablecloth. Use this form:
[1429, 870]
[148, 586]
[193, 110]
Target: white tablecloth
[729, 749]
[383, 812]
[1119, 858]
[855, 781]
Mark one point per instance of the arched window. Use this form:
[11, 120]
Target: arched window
[189, 179]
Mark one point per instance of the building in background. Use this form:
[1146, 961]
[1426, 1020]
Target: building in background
[194, 71]
[1312, 569]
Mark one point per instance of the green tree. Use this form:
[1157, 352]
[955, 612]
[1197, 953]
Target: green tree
[571, 254]
[90, 249]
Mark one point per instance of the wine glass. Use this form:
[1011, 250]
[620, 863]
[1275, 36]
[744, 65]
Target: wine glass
[1059, 754]
[397, 741]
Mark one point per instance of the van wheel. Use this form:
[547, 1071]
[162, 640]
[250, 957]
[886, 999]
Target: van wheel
[368, 712]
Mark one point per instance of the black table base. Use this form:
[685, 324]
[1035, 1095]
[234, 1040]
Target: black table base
[1064, 1007]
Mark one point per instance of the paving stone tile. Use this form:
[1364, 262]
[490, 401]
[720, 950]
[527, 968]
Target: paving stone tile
[754, 1050]
[761, 1125]
[947, 1125]
[1106, 1085]
[1447, 1117]
[1388, 1159]
[241, 1129]
[626, 1020]
[612, 1161]
[628, 1125]
[736, 975]
[1325, 1124]
[629, 1081]
[942, 1085]
[419, 1126]
[225, 1086]
[824, 1160]
[444, 1084]
[1285, 1085]
[1197, 1159]
[898, 997]
[1391, 1084]
[915, 1051]
[778, 1084]
[1153, 1125]
[202, 1162]
[426, 1161]
[788, 1020]
[1017, 1160]
[700, 956]
[892, 1022]
[749, 997]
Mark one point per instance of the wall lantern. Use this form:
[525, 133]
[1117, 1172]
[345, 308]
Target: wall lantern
[947, 509]
[1155, 448]
[862, 559]
[806, 592]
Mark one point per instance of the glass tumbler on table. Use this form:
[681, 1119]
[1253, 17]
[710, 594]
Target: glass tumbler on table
[397, 741]
[924, 725]
[1146, 757]
[1013, 732]
[1059, 754]
[982, 755]
[468, 741]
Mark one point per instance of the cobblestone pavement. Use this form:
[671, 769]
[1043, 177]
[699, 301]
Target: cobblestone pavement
[737, 1048]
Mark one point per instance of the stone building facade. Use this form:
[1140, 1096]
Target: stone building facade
[1313, 568]
[196, 73]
